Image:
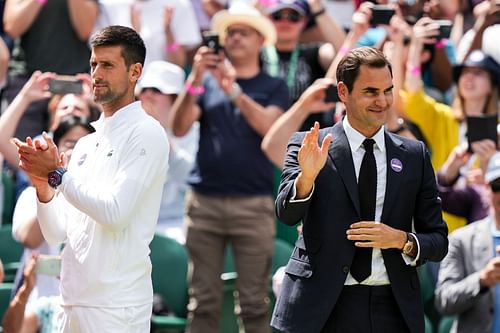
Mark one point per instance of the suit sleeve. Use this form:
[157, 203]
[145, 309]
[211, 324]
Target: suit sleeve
[456, 292]
[430, 228]
[288, 212]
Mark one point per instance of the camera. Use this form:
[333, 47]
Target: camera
[331, 94]
[211, 40]
[444, 29]
[65, 85]
[381, 14]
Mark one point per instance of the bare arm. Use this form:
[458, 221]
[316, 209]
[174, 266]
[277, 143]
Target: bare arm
[33, 90]
[4, 61]
[13, 319]
[177, 54]
[185, 111]
[83, 14]
[19, 15]
[275, 141]
[330, 30]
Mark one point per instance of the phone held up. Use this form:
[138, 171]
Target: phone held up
[331, 94]
[65, 84]
[211, 40]
[444, 29]
[382, 14]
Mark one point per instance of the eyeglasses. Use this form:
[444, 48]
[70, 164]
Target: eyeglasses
[291, 16]
[231, 32]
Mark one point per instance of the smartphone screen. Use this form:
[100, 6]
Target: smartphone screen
[48, 265]
[63, 85]
[381, 14]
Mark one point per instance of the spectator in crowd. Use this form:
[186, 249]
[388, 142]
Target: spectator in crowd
[4, 63]
[484, 34]
[53, 37]
[40, 317]
[168, 27]
[2, 274]
[300, 64]
[231, 185]
[159, 87]
[468, 283]
[377, 188]
[34, 90]
[107, 201]
[25, 226]
[465, 196]
[442, 126]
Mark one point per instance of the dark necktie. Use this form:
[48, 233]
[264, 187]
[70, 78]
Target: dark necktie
[367, 184]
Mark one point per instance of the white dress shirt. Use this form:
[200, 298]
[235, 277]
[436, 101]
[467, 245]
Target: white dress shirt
[106, 210]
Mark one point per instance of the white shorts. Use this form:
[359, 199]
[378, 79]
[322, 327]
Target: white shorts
[79, 319]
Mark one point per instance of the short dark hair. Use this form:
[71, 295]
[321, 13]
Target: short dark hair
[133, 48]
[348, 68]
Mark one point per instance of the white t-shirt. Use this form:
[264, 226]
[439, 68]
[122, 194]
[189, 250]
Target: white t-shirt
[106, 210]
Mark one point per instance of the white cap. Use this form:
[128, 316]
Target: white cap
[493, 171]
[164, 76]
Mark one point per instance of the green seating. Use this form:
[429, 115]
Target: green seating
[445, 324]
[8, 198]
[5, 291]
[170, 262]
[10, 252]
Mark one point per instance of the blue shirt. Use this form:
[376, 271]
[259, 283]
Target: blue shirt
[230, 160]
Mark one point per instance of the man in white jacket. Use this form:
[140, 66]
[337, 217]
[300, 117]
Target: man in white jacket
[105, 204]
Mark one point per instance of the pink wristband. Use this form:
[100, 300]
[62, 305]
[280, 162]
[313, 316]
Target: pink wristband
[343, 50]
[42, 2]
[194, 91]
[441, 43]
[414, 70]
[170, 47]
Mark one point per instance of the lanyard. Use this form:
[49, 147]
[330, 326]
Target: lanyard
[273, 64]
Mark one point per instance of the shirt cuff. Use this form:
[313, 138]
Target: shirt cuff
[294, 193]
[409, 260]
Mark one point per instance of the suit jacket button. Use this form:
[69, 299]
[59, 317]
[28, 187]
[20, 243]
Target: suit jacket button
[345, 269]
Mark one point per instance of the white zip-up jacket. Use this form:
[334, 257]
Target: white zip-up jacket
[106, 210]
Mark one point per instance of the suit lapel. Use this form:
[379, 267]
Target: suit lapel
[395, 172]
[340, 153]
[482, 250]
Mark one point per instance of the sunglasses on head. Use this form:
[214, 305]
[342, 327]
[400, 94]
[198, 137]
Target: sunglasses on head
[291, 16]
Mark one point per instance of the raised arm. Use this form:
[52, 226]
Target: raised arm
[275, 141]
[34, 90]
[19, 15]
[83, 15]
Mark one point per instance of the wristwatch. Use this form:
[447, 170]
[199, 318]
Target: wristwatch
[235, 92]
[409, 245]
[55, 177]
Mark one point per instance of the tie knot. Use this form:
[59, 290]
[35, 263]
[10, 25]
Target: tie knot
[368, 144]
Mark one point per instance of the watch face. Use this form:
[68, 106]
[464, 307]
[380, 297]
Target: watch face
[55, 178]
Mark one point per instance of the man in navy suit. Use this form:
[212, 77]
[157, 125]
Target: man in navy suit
[349, 272]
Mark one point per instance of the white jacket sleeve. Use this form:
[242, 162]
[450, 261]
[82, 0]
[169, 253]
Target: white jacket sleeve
[52, 219]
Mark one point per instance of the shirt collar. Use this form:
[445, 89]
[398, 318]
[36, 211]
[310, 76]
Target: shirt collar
[356, 139]
[122, 115]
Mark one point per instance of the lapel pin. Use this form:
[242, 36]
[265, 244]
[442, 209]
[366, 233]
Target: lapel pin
[396, 165]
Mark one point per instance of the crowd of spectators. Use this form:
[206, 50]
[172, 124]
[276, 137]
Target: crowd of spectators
[229, 111]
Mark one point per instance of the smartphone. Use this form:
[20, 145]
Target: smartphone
[381, 14]
[444, 29]
[211, 40]
[482, 127]
[65, 85]
[48, 265]
[331, 94]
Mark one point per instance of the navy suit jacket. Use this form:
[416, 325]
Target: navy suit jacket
[319, 264]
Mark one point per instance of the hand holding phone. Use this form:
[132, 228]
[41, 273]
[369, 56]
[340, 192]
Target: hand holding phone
[211, 40]
[63, 84]
[444, 29]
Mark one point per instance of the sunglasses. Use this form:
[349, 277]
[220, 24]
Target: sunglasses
[291, 16]
[231, 32]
